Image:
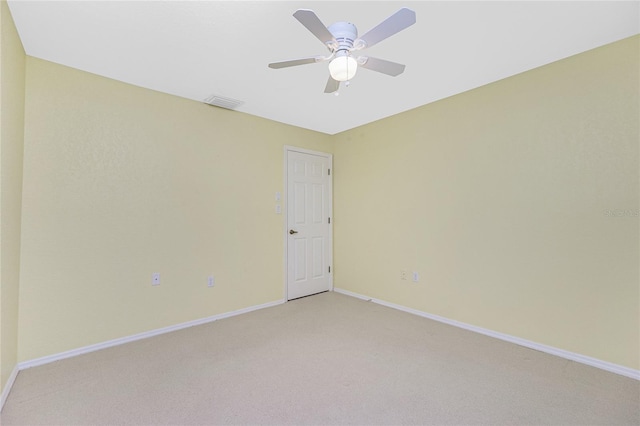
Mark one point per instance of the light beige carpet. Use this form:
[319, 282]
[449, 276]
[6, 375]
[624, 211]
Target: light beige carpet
[325, 359]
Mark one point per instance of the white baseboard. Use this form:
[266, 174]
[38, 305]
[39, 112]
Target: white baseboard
[583, 359]
[8, 386]
[115, 342]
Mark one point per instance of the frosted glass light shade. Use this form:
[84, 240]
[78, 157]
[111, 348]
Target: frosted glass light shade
[343, 68]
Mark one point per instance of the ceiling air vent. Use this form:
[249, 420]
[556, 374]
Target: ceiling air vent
[222, 102]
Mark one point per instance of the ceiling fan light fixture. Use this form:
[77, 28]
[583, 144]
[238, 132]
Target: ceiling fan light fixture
[341, 38]
[343, 68]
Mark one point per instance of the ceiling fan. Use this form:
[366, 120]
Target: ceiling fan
[342, 41]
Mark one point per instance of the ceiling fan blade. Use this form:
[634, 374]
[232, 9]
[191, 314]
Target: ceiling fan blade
[380, 65]
[332, 85]
[296, 62]
[393, 24]
[309, 19]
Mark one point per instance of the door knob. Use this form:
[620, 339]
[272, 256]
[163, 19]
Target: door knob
[291, 231]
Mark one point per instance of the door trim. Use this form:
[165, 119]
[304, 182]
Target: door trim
[285, 210]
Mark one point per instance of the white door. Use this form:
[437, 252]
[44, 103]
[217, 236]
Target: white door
[309, 246]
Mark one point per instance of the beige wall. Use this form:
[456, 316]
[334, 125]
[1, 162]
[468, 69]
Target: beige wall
[498, 197]
[121, 182]
[12, 66]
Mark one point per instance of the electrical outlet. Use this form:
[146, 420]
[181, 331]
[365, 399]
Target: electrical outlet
[155, 278]
[211, 281]
[415, 277]
[403, 275]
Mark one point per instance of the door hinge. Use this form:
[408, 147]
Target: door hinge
[329, 172]
[329, 269]
[329, 220]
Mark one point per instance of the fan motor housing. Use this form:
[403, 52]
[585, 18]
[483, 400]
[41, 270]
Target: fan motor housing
[345, 34]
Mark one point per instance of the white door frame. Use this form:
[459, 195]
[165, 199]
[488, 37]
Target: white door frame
[285, 209]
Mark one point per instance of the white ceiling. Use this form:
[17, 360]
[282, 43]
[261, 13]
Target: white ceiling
[198, 48]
